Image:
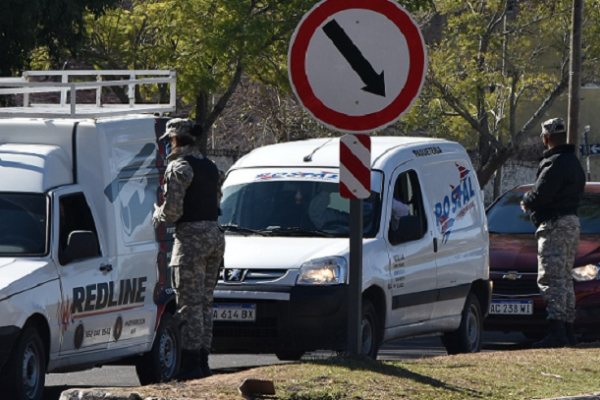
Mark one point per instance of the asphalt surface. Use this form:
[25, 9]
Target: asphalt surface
[125, 377]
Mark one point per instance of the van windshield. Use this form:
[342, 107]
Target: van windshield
[23, 224]
[293, 208]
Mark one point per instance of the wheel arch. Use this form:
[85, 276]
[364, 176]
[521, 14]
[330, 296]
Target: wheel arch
[40, 324]
[376, 296]
[483, 290]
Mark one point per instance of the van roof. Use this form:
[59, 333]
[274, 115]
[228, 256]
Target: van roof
[325, 152]
[73, 82]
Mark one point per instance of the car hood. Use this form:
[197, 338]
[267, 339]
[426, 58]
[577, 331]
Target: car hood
[519, 252]
[279, 252]
[18, 275]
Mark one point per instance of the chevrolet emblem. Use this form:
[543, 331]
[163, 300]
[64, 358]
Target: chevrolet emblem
[512, 275]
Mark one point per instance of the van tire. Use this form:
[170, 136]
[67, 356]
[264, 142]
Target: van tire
[289, 355]
[29, 357]
[371, 330]
[468, 337]
[161, 364]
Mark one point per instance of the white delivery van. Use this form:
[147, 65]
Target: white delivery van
[83, 273]
[284, 286]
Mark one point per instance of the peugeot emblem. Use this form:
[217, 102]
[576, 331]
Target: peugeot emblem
[235, 275]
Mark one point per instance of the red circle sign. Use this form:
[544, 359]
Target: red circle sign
[370, 113]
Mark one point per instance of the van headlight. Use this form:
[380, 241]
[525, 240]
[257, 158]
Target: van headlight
[588, 272]
[323, 271]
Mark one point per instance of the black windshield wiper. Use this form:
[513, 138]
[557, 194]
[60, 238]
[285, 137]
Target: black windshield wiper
[296, 230]
[241, 229]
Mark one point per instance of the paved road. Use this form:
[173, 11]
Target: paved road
[115, 376]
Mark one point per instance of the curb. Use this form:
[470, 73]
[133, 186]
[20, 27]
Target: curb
[98, 394]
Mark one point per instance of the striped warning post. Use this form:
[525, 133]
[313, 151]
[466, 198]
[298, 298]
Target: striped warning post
[355, 166]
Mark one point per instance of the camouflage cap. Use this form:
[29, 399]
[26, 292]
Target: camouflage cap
[552, 126]
[178, 127]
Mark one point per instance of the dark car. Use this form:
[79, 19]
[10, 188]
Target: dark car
[516, 302]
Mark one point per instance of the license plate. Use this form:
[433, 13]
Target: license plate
[511, 307]
[234, 312]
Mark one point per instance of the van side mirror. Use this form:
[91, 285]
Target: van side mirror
[410, 228]
[81, 244]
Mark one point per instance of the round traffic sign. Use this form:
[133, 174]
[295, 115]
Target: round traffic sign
[357, 65]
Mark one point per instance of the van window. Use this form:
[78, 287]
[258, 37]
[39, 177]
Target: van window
[273, 207]
[407, 201]
[23, 224]
[75, 215]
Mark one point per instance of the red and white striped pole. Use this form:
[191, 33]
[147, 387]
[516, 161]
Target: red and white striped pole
[355, 184]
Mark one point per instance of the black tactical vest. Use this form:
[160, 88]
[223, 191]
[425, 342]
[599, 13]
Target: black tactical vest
[200, 201]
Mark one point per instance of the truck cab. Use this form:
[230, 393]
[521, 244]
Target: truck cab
[83, 273]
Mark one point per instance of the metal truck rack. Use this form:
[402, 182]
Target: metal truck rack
[72, 81]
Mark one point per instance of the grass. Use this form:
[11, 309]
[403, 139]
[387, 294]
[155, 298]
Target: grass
[503, 375]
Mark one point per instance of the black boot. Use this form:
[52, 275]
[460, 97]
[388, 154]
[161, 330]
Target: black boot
[570, 333]
[204, 363]
[191, 366]
[555, 337]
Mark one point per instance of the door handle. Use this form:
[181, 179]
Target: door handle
[105, 267]
[435, 245]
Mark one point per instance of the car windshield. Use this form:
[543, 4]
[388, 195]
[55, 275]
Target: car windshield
[505, 216]
[293, 208]
[23, 224]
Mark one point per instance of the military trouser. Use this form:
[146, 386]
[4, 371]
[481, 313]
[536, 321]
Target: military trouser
[197, 257]
[557, 246]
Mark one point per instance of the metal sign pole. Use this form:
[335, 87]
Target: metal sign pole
[355, 278]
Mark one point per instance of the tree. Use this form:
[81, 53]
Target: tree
[212, 44]
[56, 25]
[495, 68]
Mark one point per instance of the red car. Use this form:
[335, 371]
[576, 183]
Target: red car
[516, 302]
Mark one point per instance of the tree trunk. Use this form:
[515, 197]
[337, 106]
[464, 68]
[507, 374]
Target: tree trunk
[485, 171]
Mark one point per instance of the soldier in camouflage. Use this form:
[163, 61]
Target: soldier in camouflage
[553, 201]
[192, 192]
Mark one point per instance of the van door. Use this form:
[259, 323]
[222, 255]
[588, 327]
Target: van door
[412, 260]
[87, 280]
[454, 195]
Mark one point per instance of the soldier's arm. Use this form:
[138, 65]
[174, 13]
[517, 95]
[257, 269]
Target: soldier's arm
[178, 177]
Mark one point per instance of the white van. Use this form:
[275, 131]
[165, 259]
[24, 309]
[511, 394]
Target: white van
[284, 286]
[83, 273]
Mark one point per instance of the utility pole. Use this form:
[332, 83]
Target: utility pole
[575, 74]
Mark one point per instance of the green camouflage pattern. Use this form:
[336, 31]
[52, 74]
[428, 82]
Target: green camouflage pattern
[558, 240]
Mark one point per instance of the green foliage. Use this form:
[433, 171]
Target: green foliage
[495, 70]
[56, 25]
[210, 43]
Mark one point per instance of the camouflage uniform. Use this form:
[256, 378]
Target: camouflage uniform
[197, 251]
[554, 200]
[557, 245]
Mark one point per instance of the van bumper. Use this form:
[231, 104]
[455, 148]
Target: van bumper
[314, 318]
[8, 337]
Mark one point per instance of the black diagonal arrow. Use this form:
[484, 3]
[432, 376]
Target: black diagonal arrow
[375, 82]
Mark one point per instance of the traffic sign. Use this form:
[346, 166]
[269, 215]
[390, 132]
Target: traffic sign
[356, 65]
[593, 149]
[355, 166]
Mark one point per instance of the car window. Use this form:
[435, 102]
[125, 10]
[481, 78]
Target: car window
[23, 224]
[506, 216]
[267, 205]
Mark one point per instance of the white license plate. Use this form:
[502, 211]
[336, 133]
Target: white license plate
[234, 312]
[511, 307]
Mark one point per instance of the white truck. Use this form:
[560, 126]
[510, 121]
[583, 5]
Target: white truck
[284, 286]
[83, 273]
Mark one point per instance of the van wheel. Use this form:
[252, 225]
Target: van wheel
[371, 331]
[24, 374]
[161, 364]
[467, 338]
[289, 355]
